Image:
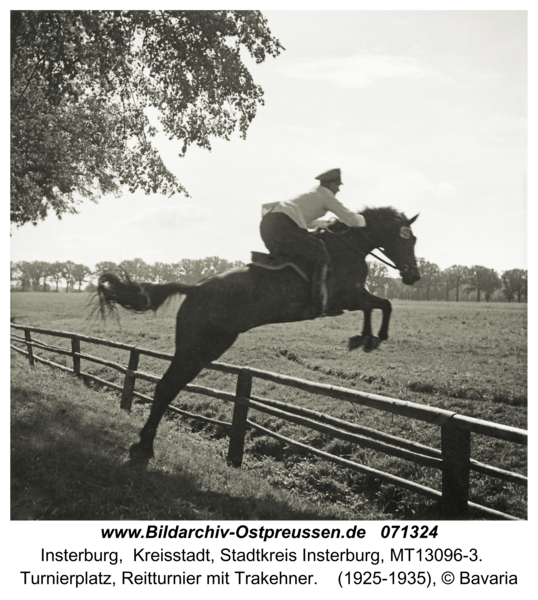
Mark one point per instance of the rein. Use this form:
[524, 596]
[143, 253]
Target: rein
[384, 261]
[390, 264]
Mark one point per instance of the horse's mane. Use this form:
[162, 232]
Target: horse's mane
[373, 215]
[383, 214]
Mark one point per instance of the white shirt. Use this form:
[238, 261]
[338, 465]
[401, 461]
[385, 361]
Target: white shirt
[309, 207]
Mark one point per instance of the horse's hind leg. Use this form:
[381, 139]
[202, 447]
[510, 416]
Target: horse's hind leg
[172, 382]
[185, 366]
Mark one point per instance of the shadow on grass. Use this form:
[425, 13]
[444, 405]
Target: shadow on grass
[68, 462]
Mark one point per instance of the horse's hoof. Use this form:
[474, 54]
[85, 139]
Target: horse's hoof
[140, 454]
[371, 343]
[138, 463]
[355, 342]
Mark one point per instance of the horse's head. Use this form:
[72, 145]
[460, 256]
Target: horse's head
[399, 245]
[390, 231]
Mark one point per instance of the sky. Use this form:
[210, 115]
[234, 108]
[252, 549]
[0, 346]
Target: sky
[425, 111]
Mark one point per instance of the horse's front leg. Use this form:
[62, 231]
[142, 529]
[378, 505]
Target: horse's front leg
[366, 336]
[368, 302]
[386, 311]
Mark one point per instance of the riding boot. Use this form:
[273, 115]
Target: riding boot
[324, 294]
[318, 291]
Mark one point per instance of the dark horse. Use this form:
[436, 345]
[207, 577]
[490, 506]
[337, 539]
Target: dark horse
[217, 309]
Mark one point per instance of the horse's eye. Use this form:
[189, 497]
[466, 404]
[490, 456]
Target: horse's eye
[405, 232]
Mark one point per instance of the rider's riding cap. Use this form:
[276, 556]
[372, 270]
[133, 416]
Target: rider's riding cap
[332, 175]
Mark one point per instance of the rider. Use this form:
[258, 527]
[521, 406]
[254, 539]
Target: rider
[284, 229]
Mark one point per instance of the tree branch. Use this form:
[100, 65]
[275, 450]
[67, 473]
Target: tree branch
[26, 87]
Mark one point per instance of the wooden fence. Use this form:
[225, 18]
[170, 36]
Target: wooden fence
[453, 458]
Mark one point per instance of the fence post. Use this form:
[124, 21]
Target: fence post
[456, 452]
[239, 420]
[28, 337]
[130, 380]
[75, 347]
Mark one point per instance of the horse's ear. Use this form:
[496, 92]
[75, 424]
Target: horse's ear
[411, 221]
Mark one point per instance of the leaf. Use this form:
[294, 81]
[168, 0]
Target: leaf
[81, 82]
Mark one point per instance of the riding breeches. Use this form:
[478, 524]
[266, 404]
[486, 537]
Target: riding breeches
[282, 236]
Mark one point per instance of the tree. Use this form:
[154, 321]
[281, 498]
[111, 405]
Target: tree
[14, 271]
[163, 272]
[514, 284]
[481, 279]
[23, 273]
[493, 283]
[377, 275]
[48, 272]
[82, 83]
[192, 270]
[429, 276]
[105, 265]
[137, 269]
[56, 272]
[79, 274]
[67, 273]
[36, 271]
[454, 277]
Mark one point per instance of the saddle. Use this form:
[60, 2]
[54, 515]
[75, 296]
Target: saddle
[275, 263]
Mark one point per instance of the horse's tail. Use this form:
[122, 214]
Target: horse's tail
[114, 290]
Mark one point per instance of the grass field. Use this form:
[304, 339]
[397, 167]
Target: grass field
[466, 357]
[68, 462]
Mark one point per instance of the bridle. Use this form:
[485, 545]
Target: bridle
[390, 264]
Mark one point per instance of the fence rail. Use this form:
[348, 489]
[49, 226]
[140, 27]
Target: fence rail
[453, 459]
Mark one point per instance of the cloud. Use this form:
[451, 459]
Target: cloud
[444, 189]
[505, 129]
[166, 217]
[361, 71]
[77, 247]
[415, 184]
[85, 241]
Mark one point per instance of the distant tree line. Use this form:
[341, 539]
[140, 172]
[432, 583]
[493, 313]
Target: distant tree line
[472, 283]
[38, 275]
